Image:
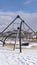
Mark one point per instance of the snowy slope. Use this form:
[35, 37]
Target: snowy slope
[10, 57]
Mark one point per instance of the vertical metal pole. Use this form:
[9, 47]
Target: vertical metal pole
[14, 44]
[20, 36]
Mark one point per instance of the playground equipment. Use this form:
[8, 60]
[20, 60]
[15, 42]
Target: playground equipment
[19, 28]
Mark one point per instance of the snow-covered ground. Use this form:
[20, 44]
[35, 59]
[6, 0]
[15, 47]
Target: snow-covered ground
[10, 57]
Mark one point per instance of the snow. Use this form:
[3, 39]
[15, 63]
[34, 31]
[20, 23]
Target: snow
[10, 57]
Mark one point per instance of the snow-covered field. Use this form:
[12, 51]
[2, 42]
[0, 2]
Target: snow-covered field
[10, 57]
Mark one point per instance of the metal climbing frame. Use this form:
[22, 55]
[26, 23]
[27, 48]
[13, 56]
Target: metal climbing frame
[22, 21]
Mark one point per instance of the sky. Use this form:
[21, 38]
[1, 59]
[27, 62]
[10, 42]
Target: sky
[18, 5]
[27, 9]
